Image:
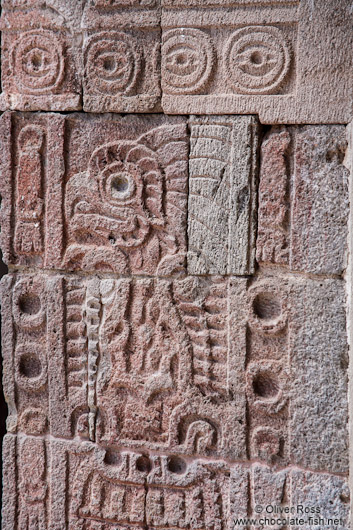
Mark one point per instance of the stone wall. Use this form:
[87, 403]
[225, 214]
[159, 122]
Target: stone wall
[175, 218]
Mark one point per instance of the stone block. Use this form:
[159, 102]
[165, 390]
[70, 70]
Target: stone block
[41, 55]
[319, 362]
[121, 56]
[94, 193]
[74, 486]
[214, 367]
[303, 199]
[144, 363]
[222, 195]
[273, 59]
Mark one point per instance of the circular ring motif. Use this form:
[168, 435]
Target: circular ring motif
[30, 366]
[257, 59]
[28, 303]
[268, 312]
[112, 63]
[187, 60]
[266, 386]
[37, 62]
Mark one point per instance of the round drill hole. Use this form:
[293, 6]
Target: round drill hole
[256, 58]
[267, 306]
[265, 386]
[143, 463]
[176, 465]
[30, 366]
[112, 458]
[109, 64]
[29, 304]
[119, 185]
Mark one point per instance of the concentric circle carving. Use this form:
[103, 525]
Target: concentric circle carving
[37, 62]
[257, 59]
[112, 63]
[187, 60]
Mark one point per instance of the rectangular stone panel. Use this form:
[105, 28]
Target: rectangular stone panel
[121, 56]
[134, 362]
[270, 58]
[222, 194]
[303, 199]
[41, 55]
[223, 367]
[319, 362]
[74, 486]
[94, 193]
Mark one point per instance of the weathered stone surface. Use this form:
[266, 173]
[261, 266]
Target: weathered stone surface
[87, 486]
[94, 193]
[319, 361]
[273, 59]
[41, 53]
[328, 494]
[303, 199]
[222, 195]
[214, 366]
[141, 362]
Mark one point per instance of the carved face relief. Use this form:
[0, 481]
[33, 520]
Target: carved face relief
[117, 211]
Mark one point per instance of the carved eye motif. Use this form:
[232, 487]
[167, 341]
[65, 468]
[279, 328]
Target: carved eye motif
[122, 186]
[37, 62]
[112, 63]
[257, 59]
[187, 60]
[183, 61]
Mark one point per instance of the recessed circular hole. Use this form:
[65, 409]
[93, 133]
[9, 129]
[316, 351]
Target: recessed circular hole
[109, 64]
[112, 458]
[120, 185]
[181, 59]
[265, 386]
[267, 306]
[36, 60]
[144, 464]
[176, 465]
[30, 366]
[256, 58]
[29, 304]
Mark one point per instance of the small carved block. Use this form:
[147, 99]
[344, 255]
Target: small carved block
[40, 56]
[222, 195]
[121, 56]
[303, 199]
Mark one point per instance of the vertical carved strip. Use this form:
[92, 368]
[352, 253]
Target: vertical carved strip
[33, 483]
[272, 239]
[222, 195]
[93, 318]
[29, 202]
[9, 495]
[58, 485]
[58, 406]
[6, 187]
[8, 348]
[242, 200]
[54, 191]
